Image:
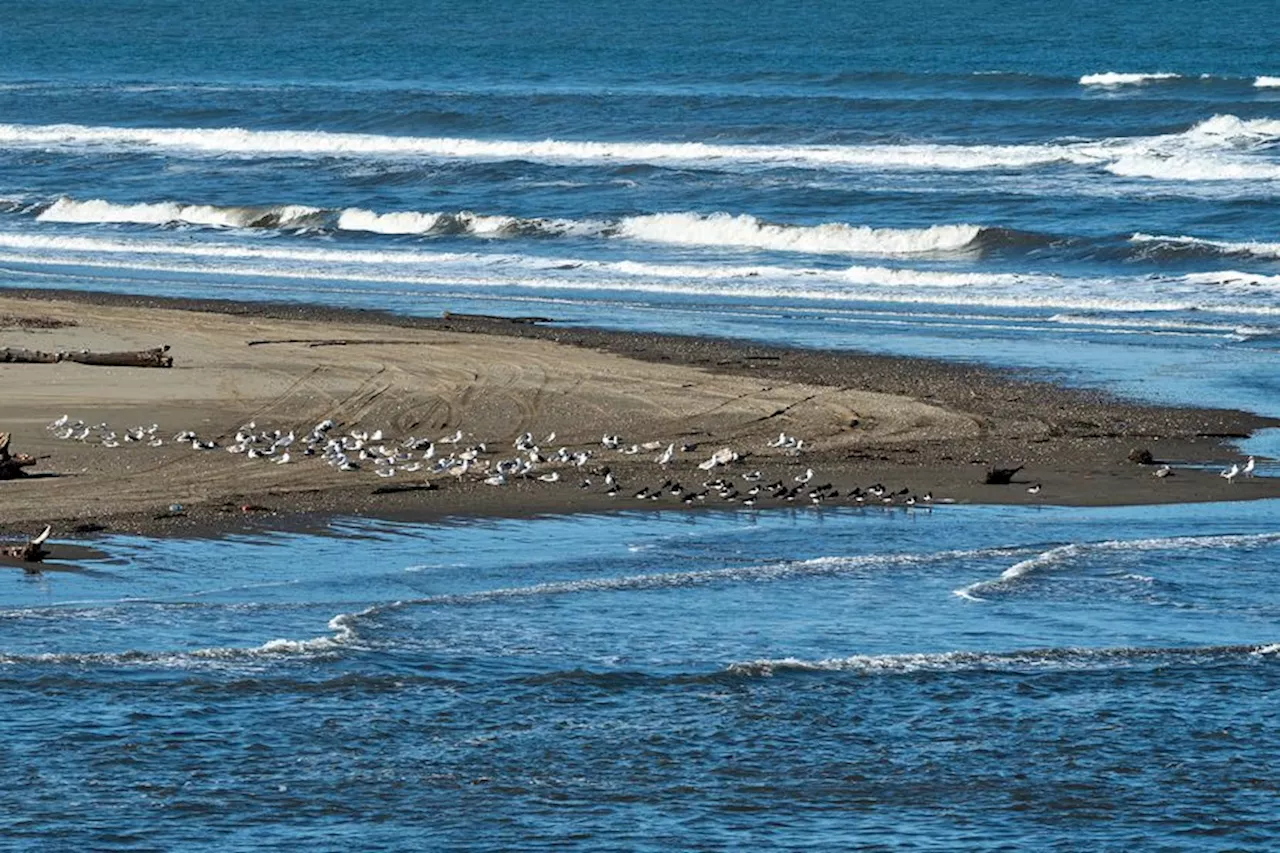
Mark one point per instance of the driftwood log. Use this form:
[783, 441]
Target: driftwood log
[158, 357]
[496, 318]
[1001, 476]
[33, 551]
[11, 464]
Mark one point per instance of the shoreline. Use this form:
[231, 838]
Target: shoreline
[923, 425]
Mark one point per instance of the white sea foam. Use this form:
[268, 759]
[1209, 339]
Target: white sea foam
[357, 219]
[889, 276]
[342, 625]
[1228, 130]
[1109, 79]
[1256, 249]
[1235, 279]
[1163, 167]
[1066, 554]
[410, 267]
[686, 229]
[1264, 82]
[962, 661]
[772, 572]
[1147, 325]
[746, 231]
[239, 141]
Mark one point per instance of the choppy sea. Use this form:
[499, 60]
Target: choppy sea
[1087, 191]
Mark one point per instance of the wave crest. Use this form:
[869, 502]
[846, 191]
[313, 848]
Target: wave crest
[1111, 79]
[746, 231]
[100, 211]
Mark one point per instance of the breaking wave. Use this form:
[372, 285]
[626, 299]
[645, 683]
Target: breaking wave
[1110, 79]
[169, 213]
[685, 229]
[1254, 249]
[696, 230]
[257, 143]
[1191, 155]
[745, 231]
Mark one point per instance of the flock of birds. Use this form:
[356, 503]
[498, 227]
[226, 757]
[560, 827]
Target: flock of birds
[451, 455]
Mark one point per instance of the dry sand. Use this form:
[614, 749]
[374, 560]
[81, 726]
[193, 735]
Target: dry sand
[912, 423]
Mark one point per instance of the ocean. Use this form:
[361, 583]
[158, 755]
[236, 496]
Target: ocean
[1085, 192]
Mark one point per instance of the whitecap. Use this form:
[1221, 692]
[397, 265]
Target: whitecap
[746, 231]
[1110, 79]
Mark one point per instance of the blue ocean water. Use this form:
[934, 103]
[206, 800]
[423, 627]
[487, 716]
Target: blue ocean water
[1087, 190]
[831, 679]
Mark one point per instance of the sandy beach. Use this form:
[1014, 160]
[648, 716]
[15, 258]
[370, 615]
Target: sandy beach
[913, 424]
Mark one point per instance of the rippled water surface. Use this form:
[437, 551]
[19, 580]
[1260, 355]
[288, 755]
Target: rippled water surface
[1085, 678]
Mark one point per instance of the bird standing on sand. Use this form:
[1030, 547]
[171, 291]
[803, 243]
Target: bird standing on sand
[1231, 473]
[1033, 490]
[1163, 471]
[1247, 470]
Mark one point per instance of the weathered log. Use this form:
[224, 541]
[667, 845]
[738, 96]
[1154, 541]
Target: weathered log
[11, 464]
[23, 355]
[157, 357]
[496, 318]
[33, 551]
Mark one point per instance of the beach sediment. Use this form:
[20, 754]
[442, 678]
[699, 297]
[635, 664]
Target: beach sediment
[925, 426]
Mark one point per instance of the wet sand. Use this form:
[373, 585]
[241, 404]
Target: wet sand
[925, 426]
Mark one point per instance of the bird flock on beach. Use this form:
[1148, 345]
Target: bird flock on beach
[529, 459]
[722, 475]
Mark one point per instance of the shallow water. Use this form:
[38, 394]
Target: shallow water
[657, 680]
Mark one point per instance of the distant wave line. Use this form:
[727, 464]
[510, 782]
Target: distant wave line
[1213, 149]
